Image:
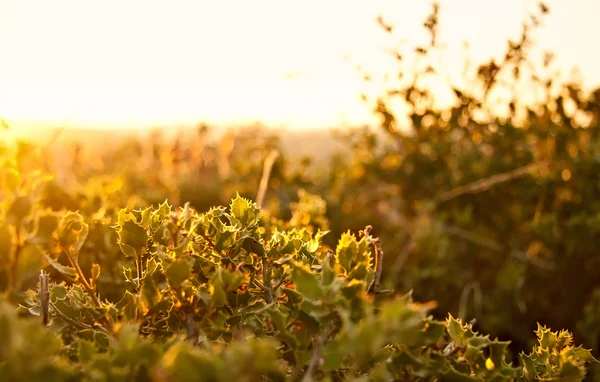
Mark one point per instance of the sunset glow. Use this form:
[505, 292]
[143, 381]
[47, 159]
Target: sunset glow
[145, 63]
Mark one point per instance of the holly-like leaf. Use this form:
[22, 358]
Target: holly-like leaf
[306, 281]
[150, 295]
[459, 333]
[223, 282]
[133, 238]
[178, 271]
[333, 356]
[64, 269]
[244, 211]
[72, 233]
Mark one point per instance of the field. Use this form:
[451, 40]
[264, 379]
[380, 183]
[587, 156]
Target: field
[462, 248]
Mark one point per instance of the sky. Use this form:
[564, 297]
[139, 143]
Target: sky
[145, 63]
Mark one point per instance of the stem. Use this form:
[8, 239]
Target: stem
[139, 270]
[44, 297]
[264, 180]
[82, 278]
[87, 286]
[316, 356]
[267, 281]
[374, 286]
[77, 324]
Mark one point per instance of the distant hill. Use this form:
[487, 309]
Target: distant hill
[317, 143]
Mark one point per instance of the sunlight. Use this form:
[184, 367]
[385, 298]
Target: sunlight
[146, 63]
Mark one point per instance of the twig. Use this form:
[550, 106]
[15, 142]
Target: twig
[77, 324]
[316, 355]
[139, 270]
[84, 282]
[473, 187]
[44, 297]
[267, 281]
[486, 183]
[264, 180]
[87, 286]
[472, 237]
[374, 286]
[462, 306]
[495, 246]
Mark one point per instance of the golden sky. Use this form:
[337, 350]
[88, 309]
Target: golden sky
[115, 63]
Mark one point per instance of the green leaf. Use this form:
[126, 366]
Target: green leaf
[306, 281]
[86, 351]
[570, 372]
[253, 246]
[64, 269]
[244, 211]
[547, 339]
[346, 250]
[72, 233]
[127, 306]
[457, 331]
[333, 356]
[182, 362]
[223, 282]
[584, 355]
[529, 371]
[133, 238]
[150, 295]
[178, 271]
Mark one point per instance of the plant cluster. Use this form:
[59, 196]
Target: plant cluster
[229, 294]
[489, 207]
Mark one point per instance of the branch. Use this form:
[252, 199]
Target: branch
[470, 188]
[267, 281]
[77, 324]
[374, 286]
[44, 297]
[486, 183]
[264, 180]
[316, 355]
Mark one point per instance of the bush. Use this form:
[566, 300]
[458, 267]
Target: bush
[230, 294]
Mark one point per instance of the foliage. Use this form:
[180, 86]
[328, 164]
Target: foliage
[488, 206]
[232, 294]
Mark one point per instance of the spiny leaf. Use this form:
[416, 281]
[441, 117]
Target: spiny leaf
[244, 211]
[133, 238]
[306, 281]
[178, 271]
[150, 295]
[64, 269]
[72, 233]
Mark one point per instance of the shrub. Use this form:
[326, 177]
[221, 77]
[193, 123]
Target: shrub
[229, 294]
